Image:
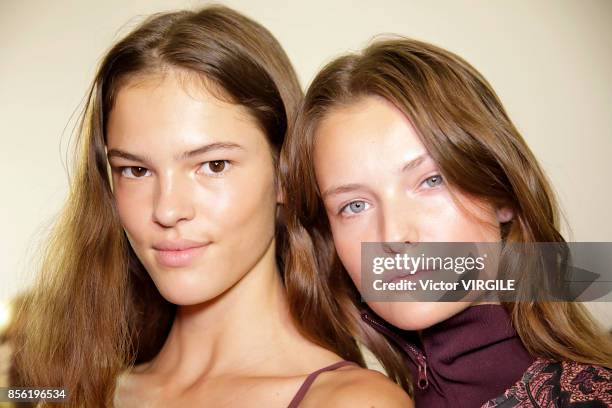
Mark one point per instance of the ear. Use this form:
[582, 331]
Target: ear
[109, 171]
[280, 196]
[280, 191]
[504, 214]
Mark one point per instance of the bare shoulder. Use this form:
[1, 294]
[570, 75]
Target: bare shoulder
[133, 388]
[125, 390]
[357, 387]
[6, 353]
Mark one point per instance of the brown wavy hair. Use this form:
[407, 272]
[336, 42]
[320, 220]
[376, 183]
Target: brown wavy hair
[479, 151]
[95, 311]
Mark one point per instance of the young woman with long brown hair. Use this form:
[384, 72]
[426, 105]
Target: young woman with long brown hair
[406, 142]
[162, 283]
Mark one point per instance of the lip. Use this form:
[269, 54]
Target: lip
[410, 276]
[178, 253]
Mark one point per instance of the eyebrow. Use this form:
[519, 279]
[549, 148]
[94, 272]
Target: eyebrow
[347, 188]
[125, 155]
[183, 156]
[416, 162]
[210, 147]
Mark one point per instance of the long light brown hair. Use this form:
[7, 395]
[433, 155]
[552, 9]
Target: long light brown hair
[466, 130]
[95, 311]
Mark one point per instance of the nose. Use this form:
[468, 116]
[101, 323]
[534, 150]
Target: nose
[398, 224]
[173, 201]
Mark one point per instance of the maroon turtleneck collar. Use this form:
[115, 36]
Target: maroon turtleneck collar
[463, 361]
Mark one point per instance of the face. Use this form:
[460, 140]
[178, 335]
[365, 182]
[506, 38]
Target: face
[379, 184]
[193, 180]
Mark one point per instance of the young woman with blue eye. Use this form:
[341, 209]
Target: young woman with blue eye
[406, 142]
[162, 283]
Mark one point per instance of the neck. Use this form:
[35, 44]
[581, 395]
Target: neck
[463, 361]
[476, 354]
[232, 334]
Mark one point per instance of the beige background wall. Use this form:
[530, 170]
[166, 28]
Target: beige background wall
[550, 62]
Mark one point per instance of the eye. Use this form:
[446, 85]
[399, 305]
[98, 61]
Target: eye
[355, 207]
[216, 167]
[433, 181]
[135, 172]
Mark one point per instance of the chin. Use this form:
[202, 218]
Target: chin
[183, 288]
[417, 315]
[180, 297]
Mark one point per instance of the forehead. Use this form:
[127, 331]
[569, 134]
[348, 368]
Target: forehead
[368, 130]
[172, 112]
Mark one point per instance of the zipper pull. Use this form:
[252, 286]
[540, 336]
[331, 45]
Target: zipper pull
[411, 351]
[423, 381]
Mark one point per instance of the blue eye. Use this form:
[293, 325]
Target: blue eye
[433, 181]
[135, 172]
[355, 207]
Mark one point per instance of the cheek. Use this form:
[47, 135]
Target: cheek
[442, 219]
[348, 236]
[217, 207]
[349, 251]
[475, 224]
[133, 213]
[245, 204]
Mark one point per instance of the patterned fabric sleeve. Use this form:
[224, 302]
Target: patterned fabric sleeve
[559, 384]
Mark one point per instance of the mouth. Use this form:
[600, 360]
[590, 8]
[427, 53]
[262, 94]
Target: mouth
[418, 274]
[178, 254]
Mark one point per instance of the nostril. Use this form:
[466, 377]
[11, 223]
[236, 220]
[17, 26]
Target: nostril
[393, 248]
